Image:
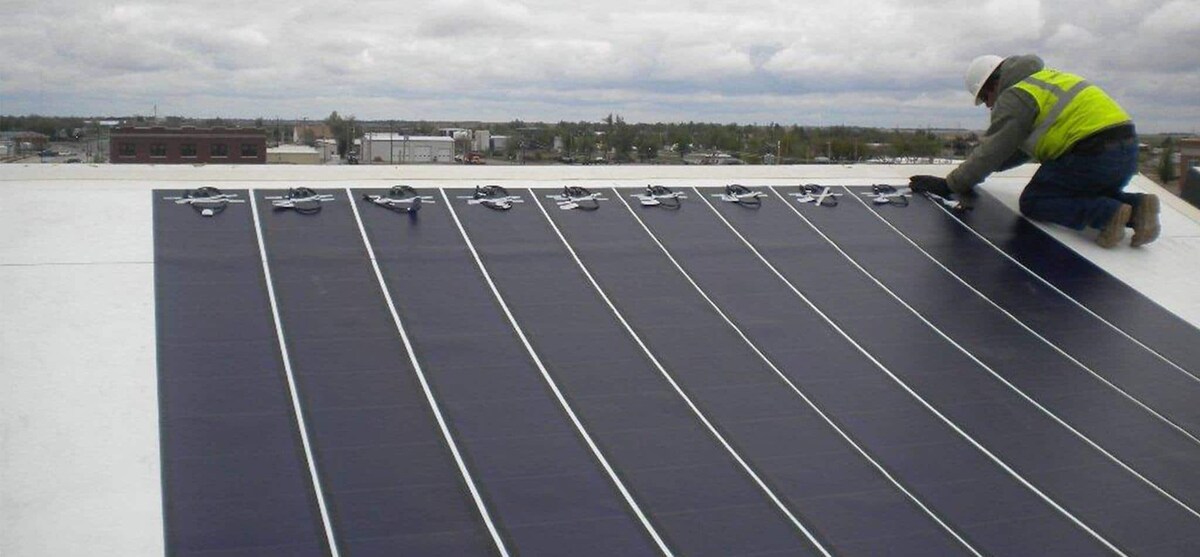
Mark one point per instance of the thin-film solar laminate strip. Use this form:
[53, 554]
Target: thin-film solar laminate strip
[620, 485]
[291, 381]
[234, 475]
[416, 364]
[927, 288]
[675, 385]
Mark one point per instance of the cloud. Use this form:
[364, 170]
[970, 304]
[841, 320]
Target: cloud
[868, 62]
[455, 19]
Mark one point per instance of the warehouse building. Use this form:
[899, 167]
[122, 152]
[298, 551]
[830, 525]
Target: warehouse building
[16, 142]
[392, 148]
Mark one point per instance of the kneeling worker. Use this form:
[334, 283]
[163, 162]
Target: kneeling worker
[1084, 140]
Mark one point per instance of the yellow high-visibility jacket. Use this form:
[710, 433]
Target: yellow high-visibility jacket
[1069, 109]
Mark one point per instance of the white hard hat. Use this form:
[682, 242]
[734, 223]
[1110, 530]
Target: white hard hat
[978, 73]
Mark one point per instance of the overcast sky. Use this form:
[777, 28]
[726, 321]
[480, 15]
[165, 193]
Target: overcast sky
[857, 62]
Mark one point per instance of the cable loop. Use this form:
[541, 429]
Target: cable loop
[820, 194]
[400, 198]
[206, 200]
[493, 197]
[743, 196]
[581, 198]
[886, 194]
[666, 198]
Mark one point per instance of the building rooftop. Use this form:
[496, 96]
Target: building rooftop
[192, 130]
[15, 135]
[384, 136]
[292, 149]
[840, 371]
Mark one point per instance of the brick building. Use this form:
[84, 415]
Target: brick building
[188, 145]
[1189, 156]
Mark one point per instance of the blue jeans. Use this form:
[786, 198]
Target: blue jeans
[1081, 190]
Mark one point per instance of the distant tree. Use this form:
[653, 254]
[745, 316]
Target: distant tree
[621, 138]
[647, 145]
[55, 127]
[1166, 167]
[342, 130]
[681, 137]
[920, 144]
[512, 147]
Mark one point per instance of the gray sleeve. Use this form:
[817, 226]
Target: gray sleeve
[1014, 161]
[1012, 122]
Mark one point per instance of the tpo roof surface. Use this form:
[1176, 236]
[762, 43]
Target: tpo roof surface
[870, 376]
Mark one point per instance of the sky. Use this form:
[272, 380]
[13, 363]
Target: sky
[878, 63]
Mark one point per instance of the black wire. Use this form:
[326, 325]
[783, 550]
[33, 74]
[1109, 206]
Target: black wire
[309, 207]
[398, 192]
[403, 191]
[490, 195]
[576, 194]
[736, 190]
[203, 200]
[665, 198]
[884, 189]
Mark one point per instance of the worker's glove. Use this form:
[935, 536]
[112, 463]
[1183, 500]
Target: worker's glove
[966, 201]
[959, 202]
[930, 184]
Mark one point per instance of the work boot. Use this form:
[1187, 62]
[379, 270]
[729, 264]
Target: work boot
[1145, 221]
[1114, 231]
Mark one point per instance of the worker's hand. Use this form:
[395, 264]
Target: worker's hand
[965, 202]
[930, 184]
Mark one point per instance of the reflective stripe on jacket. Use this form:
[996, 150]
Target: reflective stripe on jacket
[1069, 109]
